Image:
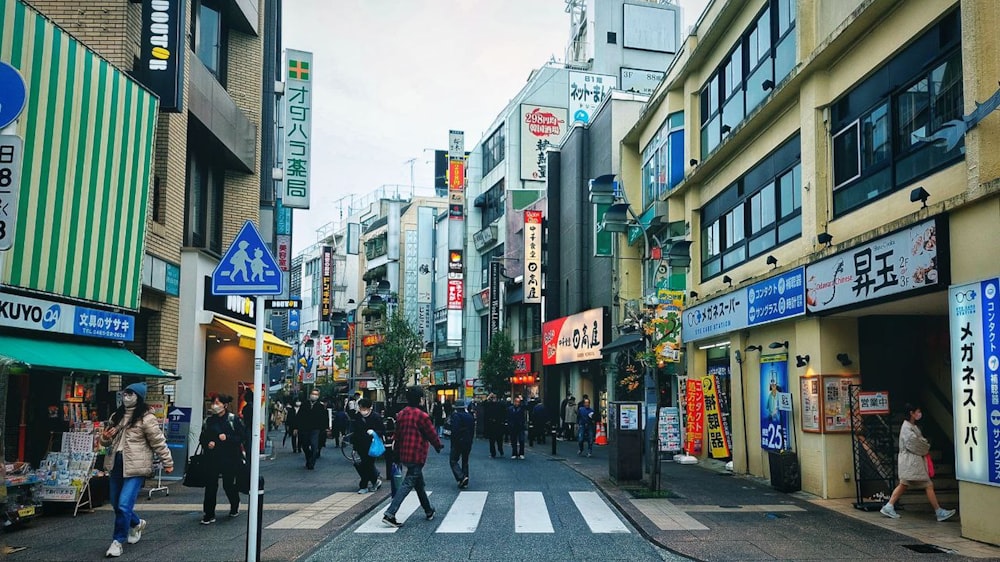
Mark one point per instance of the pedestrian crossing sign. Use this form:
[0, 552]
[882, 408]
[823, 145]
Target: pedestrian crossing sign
[247, 268]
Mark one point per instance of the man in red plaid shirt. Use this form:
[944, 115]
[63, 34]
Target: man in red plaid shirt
[414, 431]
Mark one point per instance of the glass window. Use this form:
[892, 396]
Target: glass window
[762, 209]
[493, 150]
[209, 38]
[759, 43]
[846, 160]
[791, 195]
[710, 239]
[734, 226]
[786, 16]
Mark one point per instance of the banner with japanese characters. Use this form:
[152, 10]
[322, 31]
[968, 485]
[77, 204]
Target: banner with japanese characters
[298, 129]
[586, 92]
[715, 422]
[905, 260]
[695, 417]
[974, 311]
[775, 434]
[541, 127]
[532, 257]
[579, 337]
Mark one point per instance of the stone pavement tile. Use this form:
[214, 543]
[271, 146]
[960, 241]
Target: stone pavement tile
[724, 551]
[808, 548]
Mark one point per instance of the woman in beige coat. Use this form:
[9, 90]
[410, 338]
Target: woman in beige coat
[913, 447]
[132, 435]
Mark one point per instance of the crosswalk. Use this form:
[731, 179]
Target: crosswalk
[531, 513]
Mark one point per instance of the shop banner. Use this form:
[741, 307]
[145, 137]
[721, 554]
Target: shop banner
[640, 81]
[532, 257]
[902, 261]
[161, 52]
[974, 310]
[776, 298]
[774, 431]
[579, 337]
[695, 426]
[298, 128]
[586, 92]
[341, 359]
[718, 435]
[541, 127]
[326, 277]
[26, 313]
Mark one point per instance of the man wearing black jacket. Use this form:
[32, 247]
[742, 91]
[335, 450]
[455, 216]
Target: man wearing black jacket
[311, 420]
[367, 423]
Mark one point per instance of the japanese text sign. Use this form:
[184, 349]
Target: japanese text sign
[522, 363]
[11, 152]
[586, 92]
[775, 433]
[541, 127]
[532, 257]
[456, 292]
[579, 337]
[718, 441]
[974, 310]
[776, 298]
[298, 128]
[695, 426]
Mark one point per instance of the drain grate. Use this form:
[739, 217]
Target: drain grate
[928, 549]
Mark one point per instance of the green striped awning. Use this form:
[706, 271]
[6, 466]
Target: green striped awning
[88, 133]
[77, 357]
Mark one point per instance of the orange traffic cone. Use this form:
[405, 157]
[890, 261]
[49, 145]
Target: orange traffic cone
[600, 438]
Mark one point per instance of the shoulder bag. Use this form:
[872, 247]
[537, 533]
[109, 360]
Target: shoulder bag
[196, 471]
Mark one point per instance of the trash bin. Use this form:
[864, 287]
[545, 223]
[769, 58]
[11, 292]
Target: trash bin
[785, 475]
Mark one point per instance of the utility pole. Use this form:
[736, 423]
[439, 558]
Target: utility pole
[411, 162]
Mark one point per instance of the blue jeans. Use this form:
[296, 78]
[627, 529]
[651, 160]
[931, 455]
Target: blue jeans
[123, 494]
[414, 480]
[585, 436]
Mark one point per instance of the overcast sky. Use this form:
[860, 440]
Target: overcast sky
[393, 76]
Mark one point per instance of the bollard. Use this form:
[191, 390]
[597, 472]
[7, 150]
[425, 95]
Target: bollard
[554, 440]
[260, 514]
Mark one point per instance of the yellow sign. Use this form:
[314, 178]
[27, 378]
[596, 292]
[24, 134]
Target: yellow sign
[718, 441]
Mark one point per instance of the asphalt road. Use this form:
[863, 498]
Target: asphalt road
[513, 509]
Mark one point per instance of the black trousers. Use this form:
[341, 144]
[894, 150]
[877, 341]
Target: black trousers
[496, 441]
[227, 471]
[366, 470]
[458, 453]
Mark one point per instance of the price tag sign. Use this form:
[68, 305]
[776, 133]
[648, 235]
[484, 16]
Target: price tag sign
[11, 151]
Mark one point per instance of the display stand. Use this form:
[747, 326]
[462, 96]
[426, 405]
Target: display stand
[67, 473]
[21, 502]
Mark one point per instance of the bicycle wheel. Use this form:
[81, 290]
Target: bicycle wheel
[347, 449]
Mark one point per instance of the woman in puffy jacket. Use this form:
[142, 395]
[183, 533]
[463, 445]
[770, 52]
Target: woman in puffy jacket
[132, 436]
[912, 466]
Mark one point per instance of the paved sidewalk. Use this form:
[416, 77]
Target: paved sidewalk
[302, 508]
[712, 514]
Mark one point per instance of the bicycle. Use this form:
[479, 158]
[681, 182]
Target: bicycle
[347, 449]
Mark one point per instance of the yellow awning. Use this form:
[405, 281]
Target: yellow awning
[248, 337]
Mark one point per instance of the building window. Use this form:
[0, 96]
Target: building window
[159, 201]
[493, 150]
[204, 197]
[760, 211]
[879, 131]
[763, 57]
[663, 159]
[493, 202]
[496, 254]
[209, 37]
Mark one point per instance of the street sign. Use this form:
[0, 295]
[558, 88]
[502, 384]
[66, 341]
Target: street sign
[247, 268]
[179, 415]
[284, 304]
[13, 94]
[11, 151]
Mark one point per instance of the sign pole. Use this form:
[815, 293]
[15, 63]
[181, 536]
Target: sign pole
[253, 539]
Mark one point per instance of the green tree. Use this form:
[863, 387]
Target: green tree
[397, 358]
[497, 364]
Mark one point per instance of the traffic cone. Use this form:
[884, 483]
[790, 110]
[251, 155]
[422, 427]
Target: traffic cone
[600, 438]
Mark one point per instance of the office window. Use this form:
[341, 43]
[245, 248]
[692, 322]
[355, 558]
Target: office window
[663, 159]
[493, 203]
[879, 131]
[204, 198]
[209, 36]
[493, 150]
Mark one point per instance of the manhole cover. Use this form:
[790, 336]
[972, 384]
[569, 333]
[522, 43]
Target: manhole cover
[928, 549]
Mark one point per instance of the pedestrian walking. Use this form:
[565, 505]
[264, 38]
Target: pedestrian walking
[341, 425]
[368, 424]
[291, 424]
[414, 431]
[438, 417]
[539, 422]
[246, 413]
[311, 420]
[912, 466]
[569, 415]
[495, 420]
[585, 427]
[463, 431]
[517, 423]
[222, 437]
[132, 436]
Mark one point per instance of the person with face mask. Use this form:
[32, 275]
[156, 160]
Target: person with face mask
[291, 425]
[367, 423]
[912, 466]
[311, 420]
[132, 437]
[222, 438]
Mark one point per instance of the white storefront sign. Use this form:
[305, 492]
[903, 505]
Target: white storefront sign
[541, 127]
[298, 128]
[586, 92]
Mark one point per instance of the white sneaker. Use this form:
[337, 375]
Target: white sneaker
[115, 550]
[889, 511]
[363, 491]
[944, 514]
[135, 533]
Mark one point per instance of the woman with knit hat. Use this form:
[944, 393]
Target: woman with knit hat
[132, 435]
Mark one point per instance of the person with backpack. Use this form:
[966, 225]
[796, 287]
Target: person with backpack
[222, 438]
[463, 431]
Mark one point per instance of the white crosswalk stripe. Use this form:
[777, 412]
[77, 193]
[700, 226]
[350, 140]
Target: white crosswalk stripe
[464, 515]
[531, 514]
[599, 517]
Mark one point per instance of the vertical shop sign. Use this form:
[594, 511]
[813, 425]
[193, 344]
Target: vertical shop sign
[326, 300]
[718, 438]
[532, 257]
[298, 128]
[774, 431]
[11, 152]
[541, 127]
[974, 310]
[494, 323]
[161, 55]
[695, 426]
[586, 92]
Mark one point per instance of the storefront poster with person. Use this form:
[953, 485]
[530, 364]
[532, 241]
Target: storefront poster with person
[774, 423]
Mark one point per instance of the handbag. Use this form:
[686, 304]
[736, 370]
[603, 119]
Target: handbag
[930, 466]
[377, 448]
[196, 471]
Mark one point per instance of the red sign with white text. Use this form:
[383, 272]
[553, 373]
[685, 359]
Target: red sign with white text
[695, 417]
[456, 294]
[522, 363]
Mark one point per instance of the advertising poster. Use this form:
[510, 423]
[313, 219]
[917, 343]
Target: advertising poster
[579, 337]
[628, 417]
[836, 403]
[541, 127]
[669, 429]
[809, 394]
[533, 257]
[718, 436]
[774, 431]
[695, 426]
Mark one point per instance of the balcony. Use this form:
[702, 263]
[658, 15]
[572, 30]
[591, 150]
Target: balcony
[212, 106]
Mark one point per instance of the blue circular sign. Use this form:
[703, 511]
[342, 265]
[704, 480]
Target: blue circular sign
[13, 94]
